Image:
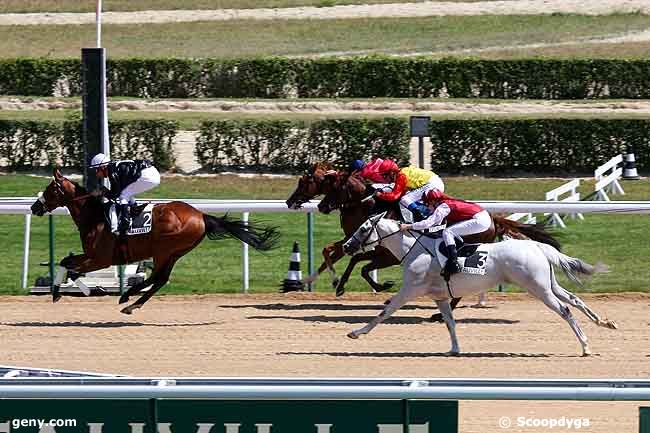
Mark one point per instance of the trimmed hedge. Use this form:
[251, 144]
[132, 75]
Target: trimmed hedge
[360, 77]
[291, 146]
[25, 145]
[535, 145]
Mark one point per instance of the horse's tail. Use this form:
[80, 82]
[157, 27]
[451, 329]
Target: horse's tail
[514, 229]
[257, 236]
[571, 266]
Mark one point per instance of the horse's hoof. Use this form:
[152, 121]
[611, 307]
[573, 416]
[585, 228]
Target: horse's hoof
[335, 283]
[56, 297]
[586, 353]
[340, 292]
[123, 299]
[387, 285]
[126, 310]
[353, 336]
[611, 324]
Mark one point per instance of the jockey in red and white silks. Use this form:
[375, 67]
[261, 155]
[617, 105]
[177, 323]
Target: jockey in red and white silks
[463, 218]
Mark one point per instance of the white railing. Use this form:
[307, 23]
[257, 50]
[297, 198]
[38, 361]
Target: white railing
[21, 206]
[560, 194]
[607, 176]
[321, 389]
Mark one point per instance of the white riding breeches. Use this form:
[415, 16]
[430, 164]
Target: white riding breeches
[149, 178]
[416, 195]
[478, 224]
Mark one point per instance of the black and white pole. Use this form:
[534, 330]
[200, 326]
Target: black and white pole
[293, 282]
[629, 167]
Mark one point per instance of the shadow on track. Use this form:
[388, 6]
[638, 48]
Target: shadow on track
[421, 354]
[326, 307]
[403, 320]
[104, 324]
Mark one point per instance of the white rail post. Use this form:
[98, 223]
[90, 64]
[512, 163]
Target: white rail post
[28, 226]
[608, 182]
[244, 258]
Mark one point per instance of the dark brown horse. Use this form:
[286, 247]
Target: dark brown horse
[350, 192]
[177, 228]
[319, 180]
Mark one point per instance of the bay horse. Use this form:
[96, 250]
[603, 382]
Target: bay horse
[350, 192]
[177, 228]
[526, 263]
[317, 181]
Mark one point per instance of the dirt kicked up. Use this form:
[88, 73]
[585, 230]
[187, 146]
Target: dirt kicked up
[305, 335]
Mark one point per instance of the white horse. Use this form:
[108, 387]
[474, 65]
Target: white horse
[526, 263]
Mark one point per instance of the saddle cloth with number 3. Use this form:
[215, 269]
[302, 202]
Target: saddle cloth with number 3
[475, 263]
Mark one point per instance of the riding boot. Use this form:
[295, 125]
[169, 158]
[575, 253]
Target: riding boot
[452, 266]
[124, 222]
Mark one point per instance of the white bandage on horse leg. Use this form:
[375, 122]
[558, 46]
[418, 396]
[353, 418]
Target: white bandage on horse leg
[83, 287]
[61, 276]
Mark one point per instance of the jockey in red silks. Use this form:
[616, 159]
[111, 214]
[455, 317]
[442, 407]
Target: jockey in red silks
[463, 218]
[376, 170]
[410, 184]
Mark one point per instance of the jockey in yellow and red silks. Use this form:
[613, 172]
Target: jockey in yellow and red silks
[410, 183]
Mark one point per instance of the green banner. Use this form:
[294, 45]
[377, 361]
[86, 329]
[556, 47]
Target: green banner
[228, 416]
[644, 420]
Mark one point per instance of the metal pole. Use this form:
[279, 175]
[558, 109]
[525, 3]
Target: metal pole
[120, 275]
[98, 22]
[310, 247]
[406, 417]
[421, 152]
[244, 257]
[28, 227]
[51, 242]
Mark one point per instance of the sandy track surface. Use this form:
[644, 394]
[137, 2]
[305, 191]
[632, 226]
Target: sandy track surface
[342, 107]
[305, 335]
[425, 9]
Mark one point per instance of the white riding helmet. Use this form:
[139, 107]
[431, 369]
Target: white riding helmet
[99, 160]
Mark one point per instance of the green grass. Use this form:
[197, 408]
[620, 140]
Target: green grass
[306, 37]
[191, 120]
[627, 50]
[617, 240]
[140, 5]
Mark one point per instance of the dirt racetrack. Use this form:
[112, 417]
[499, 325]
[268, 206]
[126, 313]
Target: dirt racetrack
[305, 335]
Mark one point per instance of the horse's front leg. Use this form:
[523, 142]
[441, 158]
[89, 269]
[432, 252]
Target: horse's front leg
[445, 310]
[330, 256]
[80, 264]
[396, 302]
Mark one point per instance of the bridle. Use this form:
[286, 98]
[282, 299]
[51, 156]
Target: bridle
[380, 238]
[58, 191]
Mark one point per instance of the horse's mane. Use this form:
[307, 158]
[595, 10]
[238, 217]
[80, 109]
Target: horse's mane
[321, 165]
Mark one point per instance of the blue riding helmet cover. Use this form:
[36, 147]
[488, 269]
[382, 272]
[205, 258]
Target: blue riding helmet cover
[357, 164]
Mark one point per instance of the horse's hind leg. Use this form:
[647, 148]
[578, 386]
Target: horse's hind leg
[135, 289]
[159, 280]
[445, 310]
[568, 297]
[540, 286]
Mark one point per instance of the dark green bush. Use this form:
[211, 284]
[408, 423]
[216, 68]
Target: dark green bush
[544, 146]
[360, 77]
[25, 145]
[291, 146]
